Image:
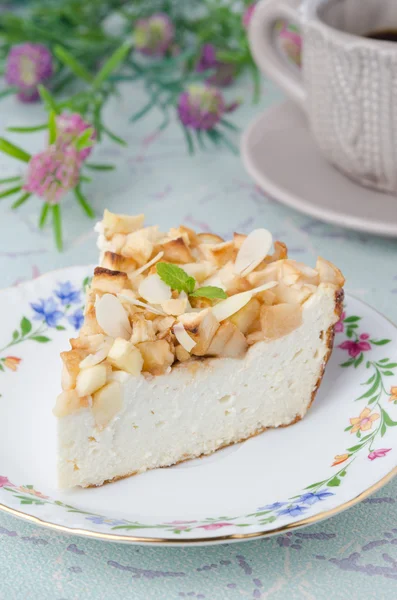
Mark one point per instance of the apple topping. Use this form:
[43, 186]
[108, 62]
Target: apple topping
[113, 223]
[71, 367]
[157, 356]
[247, 317]
[279, 320]
[209, 238]
[117, 262]
[329, 273]
[91, 379]
[228, 341]
[154, 290]
[142, 329]
[106, 280]
[201, 327]
[124, 356]
[106, 403]
[176, 251]
[69, 402]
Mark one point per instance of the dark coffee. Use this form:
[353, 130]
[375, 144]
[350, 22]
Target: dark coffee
[387, 35]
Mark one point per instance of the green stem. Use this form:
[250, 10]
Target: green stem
[57, 225]
[83, 202]
[43, 215]
[21, 200]
[38, 331]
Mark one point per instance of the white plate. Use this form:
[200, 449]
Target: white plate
[281, 479]
[280, 155]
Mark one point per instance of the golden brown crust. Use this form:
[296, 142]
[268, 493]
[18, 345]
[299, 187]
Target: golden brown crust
[109, 273]
[330, 334]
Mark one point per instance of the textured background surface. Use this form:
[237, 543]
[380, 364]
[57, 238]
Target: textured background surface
[353, 555]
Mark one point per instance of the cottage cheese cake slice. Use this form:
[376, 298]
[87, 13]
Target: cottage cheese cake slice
[190, 343]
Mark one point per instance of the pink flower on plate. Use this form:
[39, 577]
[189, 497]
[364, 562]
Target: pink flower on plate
[340, 326]
[214, 526]
[380, 453]
[355, 348]
[5, 481]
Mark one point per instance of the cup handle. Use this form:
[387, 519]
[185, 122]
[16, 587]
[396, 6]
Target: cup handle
[265, 52]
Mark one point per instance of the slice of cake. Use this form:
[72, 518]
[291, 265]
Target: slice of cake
[189, 343]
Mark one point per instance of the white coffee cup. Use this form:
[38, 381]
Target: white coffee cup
[348, 83]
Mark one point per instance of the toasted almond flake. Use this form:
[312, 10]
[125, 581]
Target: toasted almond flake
[183, 337]
[112, 317]
[253, 250]
[149, 264]
[154, 290]
[94, 359]
[231, 305]
[135, 302]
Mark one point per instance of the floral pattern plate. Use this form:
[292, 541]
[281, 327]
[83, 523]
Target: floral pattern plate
[345, 448]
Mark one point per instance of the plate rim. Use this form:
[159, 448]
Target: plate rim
[297, 203]
[235, 537]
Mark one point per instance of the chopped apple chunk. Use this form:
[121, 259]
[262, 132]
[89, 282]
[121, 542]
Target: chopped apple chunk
[71, 367]
[247, 317]
[201, 327]
[109, 281]
[228, 341]
[157, 356]
[113, 223]
[117, 262]
[279, 320]
[106, 403]
[124, 356]
[69, 402]
[329, 273]
[176, 251]
[90, 380]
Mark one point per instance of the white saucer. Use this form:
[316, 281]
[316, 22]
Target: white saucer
[281, 156]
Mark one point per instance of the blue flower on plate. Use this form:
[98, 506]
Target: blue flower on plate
[98, 520]
[313, 497]
[47, 310]
[294, 510]
[67, 294]
[76, 319]
[274, 506]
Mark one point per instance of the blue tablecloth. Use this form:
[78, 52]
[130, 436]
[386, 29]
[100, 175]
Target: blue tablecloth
[353, 555]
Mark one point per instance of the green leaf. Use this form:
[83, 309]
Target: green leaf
[389, 366]
[387, 420]
[388, 373]
[84, 140]
[359, 360]
[11, 179]
[384, 360]
[372, 389]
[83, 202]
[347, 363]
[28, 129]
[268, 520]
[355, 448]
[74, 65]
[349, 333]
[348, 428]
[229, 125]
[112, 63]
[95, 167]
[380, 342]
[175, 277]
[383, 430]
[60, 328]
[47, 98]
[44, 215]
[26, 326]
[14, 151]
[211, 292]
[189, 140]
[42, 339]
[314, 485]
[52, 127]
[358, 434]
[10, 192]
[21, 200]
[370, 380]
[86, 282]
[114, 137]
[335, 481]
[374, 399]
[56, 220]
[15, 335]
[352, 319]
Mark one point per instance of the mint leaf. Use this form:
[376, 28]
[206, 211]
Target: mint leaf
[175, 277]
[211, 292]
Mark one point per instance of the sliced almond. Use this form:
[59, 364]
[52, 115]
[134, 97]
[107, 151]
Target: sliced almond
[175, 306]
[95, 359]
[228, 307]
[253, 250]
[151, 262]
[183, 337]
[329, 273]
[112, 317]
[148, 307]
[154, 290]
[201, 327]
[280, 320]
